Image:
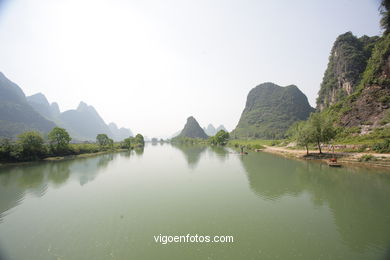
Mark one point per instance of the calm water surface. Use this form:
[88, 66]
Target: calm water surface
[110, 207]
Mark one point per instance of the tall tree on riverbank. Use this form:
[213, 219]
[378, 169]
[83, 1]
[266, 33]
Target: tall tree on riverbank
[104, 141]
[32, 145]
[320, 129]
[302, 134]
[59, 139]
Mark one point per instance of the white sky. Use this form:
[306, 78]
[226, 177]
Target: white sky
[148, 65]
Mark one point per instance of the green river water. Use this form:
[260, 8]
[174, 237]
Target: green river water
[111, 206]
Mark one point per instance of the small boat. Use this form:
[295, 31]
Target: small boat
[333, 162]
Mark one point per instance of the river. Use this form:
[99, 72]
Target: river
[113, 206]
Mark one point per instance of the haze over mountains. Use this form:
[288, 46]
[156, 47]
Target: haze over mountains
[19, 113]
[211, 130]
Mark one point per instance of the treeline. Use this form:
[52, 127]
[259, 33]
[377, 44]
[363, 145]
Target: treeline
[320, 129]
[220, 138]
[31, 145]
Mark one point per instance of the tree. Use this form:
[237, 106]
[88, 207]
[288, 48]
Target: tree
[127, 143]
[139, 140]
[302, 134]
[384, 10]
[321, 129]
[32, 145]
[221, 138]
[59, 139]
[104, 141]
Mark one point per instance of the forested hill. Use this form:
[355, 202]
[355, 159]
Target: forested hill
[270, 110]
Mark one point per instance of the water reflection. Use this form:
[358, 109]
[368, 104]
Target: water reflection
[192, 153]
[358, 201]
[34, 179]
[220, 152]
[139, 151]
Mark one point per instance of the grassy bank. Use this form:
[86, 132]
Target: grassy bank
[253, 144]
[13, 155]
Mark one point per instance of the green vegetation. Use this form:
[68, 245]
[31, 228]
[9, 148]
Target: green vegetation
[270, 110]
[382, 147]
[253, 144]
[302, 134]
[59, 140]
[221, 138]
[366, 158]
[188, 140]
[346, 64]
[31, 146]
[104, 141]
[318, 129]
[133, 142]
[385, 12]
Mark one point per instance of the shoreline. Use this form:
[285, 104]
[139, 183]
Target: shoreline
[379, 161]
[61, 158]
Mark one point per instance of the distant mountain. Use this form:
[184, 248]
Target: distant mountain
[210, 130]
[40, 103]
[118, 134]
[192, 129]
[84, 123]
[270, 110]
[16, 114]
[221, 127]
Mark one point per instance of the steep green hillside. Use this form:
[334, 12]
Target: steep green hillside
[16, 115]
[270, 110]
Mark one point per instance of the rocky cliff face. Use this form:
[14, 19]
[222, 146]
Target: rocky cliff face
[347, 62]
[270, 110]
[192, 129]
[368, 107]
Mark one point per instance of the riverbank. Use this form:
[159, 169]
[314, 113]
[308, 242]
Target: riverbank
[363, 159]
[61, 158]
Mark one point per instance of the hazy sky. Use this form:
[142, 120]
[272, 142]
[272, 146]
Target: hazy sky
[148, 65]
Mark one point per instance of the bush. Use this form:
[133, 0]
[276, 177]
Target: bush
[383, 147]
[366, 158]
